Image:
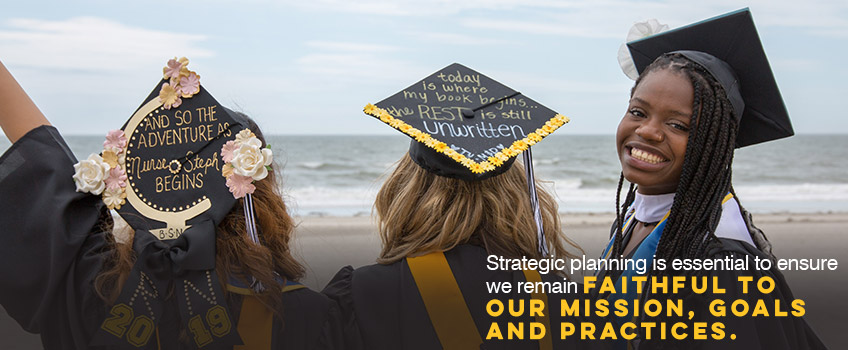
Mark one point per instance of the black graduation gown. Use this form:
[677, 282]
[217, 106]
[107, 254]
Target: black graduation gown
[771, 332]
[779, 333]
[383, 309]
[53, 248]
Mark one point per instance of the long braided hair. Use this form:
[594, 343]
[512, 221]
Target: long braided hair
[705, 178]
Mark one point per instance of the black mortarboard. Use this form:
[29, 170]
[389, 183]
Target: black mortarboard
[729, 47]
[464, 124]
[173, 158]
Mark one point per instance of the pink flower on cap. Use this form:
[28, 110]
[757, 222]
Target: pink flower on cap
[117, 178]
[240, 186]
[115, 141]
[189, 85]
[227, 151]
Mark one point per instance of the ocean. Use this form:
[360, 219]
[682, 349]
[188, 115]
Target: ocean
[340, 175]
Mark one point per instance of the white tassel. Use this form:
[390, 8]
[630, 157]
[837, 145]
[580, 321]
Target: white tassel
[534, 203]
[250, 223]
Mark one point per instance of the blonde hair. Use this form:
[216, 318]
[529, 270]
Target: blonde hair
[421, 213]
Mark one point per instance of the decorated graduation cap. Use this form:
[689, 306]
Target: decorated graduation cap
[467, 126]
[173, 157]
[174, 172]
[729, 48]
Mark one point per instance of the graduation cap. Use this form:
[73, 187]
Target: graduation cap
[173, 157]
[467, 126]
[464, 124]
[729, 48]
[174, 172]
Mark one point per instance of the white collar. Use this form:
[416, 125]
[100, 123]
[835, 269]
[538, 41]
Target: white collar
[652, 208]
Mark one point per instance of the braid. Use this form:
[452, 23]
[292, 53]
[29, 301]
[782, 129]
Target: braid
[619, 219]
[631, 196]
[620, 213]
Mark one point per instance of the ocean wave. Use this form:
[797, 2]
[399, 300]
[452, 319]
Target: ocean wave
[572, 197]
[341, 175]
[799, 192]
[311, 165]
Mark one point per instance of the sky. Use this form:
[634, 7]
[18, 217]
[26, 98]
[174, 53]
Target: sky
[309, 66]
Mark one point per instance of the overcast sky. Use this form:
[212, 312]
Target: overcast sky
[309, 66]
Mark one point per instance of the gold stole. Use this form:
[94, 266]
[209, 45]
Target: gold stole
[447, 309]
[256, 321]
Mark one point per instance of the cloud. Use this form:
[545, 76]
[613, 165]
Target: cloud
[797, 64]
[352, 65]
[399, 7]
[350, 47]
[596, 19]
[91, 44]
[455, 39]
[345, 62]
[814, 14]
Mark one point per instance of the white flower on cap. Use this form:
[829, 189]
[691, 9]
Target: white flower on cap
[114, 198]
[89, 174]
[250, 159]
[639, 30]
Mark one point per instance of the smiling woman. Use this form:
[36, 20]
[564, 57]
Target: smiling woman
[687, 114]
[652, 136]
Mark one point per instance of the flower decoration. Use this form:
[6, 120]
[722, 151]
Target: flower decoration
[227, 151]
[243, 136]
[110, 157]
[175, 68]
[245, 161]
[226, 171]
[385, 117]
[181, 83]
[115, 141]
[562, 119]
[250, 159]
[639, 30]
[476, 168]
[104, 174]
[89, 174]
[441, 147]
[495, 161]
[369, 109]
[169, 97]
[117, 179]
[489, 164]
[520, 145]
[189, 85]
[240, 186]
[114, 198]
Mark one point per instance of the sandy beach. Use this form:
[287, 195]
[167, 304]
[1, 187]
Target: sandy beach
[327, 243]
